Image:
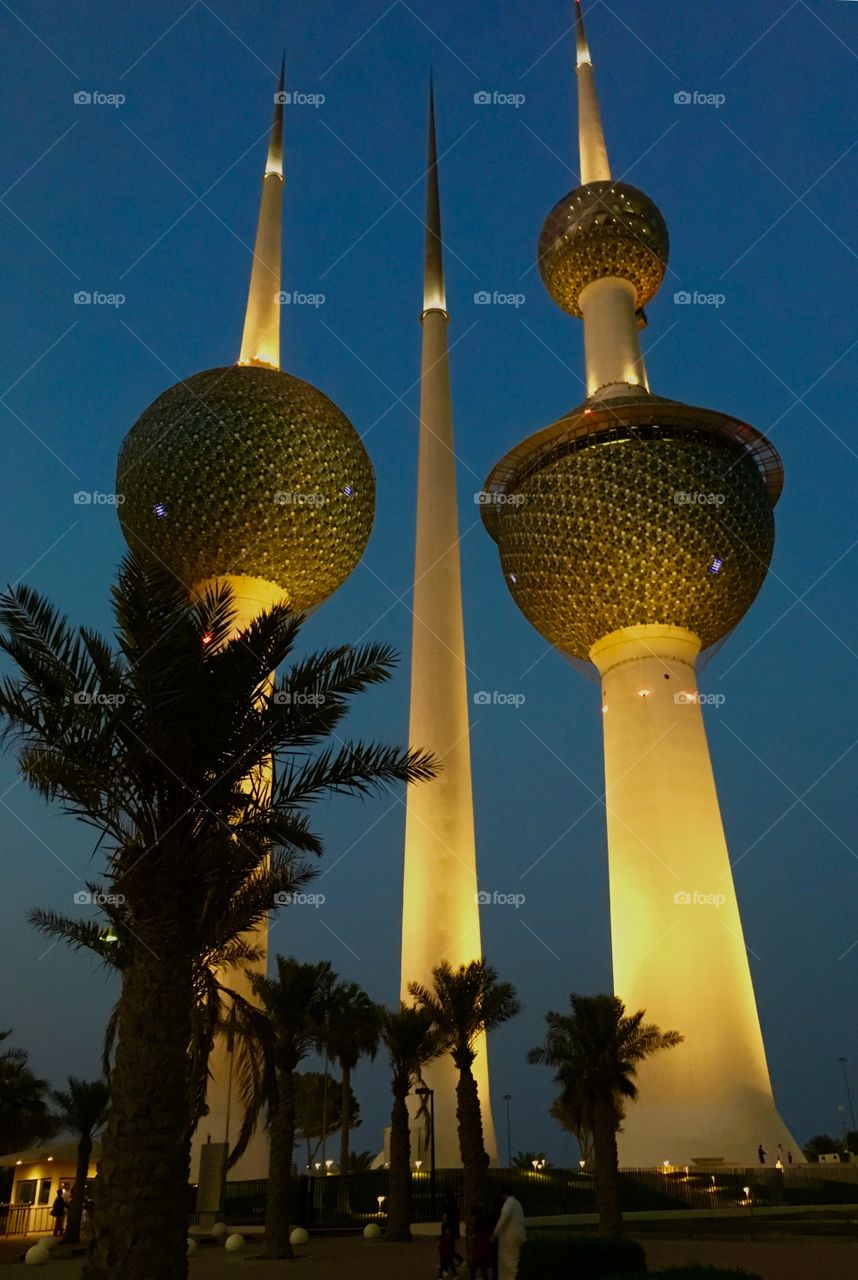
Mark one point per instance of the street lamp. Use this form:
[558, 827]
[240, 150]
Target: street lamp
[843, 1062]
[507, 1097]
[425, 1092]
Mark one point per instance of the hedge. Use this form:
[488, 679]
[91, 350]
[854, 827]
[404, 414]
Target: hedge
[691, 1273]
[557, 1257]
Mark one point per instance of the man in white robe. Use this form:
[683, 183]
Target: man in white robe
[510, 1235]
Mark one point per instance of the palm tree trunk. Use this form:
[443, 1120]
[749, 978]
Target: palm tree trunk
[399, 1191]
[472, 1148]
[282, 1142]
[84, 1151]
[345, 1118]
[607, 1168]
[142, 1218]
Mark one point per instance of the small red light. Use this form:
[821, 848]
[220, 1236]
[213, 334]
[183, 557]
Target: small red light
[207, 638]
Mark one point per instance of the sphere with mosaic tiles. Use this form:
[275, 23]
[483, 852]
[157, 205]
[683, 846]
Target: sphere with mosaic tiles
[603, 229]
[647, 512]
[250, 471]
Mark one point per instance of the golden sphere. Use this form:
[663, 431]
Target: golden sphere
[248, 470]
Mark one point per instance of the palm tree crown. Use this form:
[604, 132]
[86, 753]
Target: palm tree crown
[597, 1047]
[464, 1003]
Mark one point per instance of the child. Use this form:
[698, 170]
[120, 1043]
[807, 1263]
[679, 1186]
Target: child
[447, 1254]
[481, 1247]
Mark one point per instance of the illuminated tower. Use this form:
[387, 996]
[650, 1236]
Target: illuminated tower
[640, 534]
[248, 475]
[440, 913]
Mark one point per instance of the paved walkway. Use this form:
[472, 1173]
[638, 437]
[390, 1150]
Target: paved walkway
[356, 1259]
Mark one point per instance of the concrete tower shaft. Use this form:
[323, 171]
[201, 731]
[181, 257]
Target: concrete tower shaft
[440, 913]
[634, 532]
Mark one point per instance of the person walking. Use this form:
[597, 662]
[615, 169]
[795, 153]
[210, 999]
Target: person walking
[761, 1154]
[58, 1213]
[510, 1235]
[480, 1247]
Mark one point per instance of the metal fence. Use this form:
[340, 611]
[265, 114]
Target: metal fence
[352, 1201]
[21, 1219]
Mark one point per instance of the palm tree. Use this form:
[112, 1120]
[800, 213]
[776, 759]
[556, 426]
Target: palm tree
[411, 1041]
[82, 1111]
[352, 1031]
[272, 1041]
[466, 1003]
[24, 1114]
[595, 1051]
[161, 747]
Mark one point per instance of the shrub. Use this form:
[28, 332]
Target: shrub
[557, 1257]
[691, 1273]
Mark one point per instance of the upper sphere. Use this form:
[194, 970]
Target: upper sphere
[598, 230]
[248, 470]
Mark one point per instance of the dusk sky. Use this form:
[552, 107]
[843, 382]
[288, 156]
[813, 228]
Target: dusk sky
[153, 200]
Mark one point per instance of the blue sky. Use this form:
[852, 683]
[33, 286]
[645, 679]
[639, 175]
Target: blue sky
[155, 199]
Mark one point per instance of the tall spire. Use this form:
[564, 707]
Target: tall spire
[591, 138]
[260, 342]
[440, 907]
[434, 297]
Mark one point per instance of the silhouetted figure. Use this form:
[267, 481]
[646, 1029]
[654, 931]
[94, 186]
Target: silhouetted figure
[761, 1154]
[510, 1235]
[58, 1213]
[481, 1249]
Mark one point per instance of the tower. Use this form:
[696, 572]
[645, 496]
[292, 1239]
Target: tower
[440, 912]
[640, 532]
[248, 475]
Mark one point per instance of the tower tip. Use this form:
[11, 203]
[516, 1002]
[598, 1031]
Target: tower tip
[434, 298]
[583, 48]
